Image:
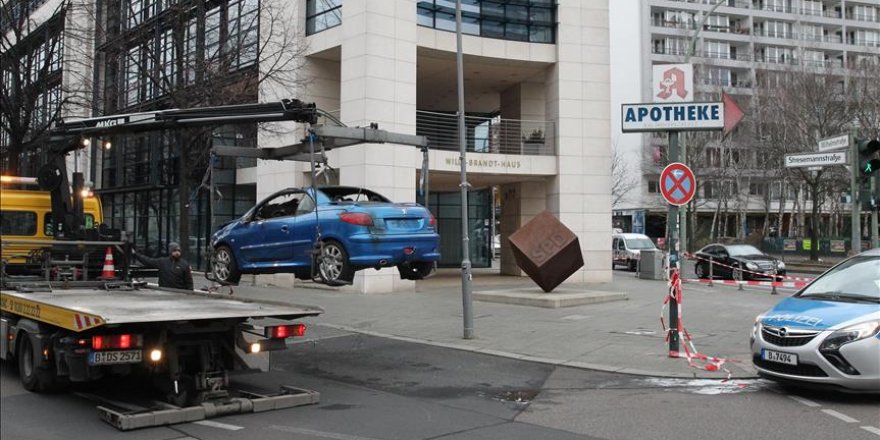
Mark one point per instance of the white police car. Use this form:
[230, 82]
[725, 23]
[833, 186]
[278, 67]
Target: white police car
[828, 334]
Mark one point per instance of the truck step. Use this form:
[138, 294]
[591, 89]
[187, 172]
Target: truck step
[126, 417]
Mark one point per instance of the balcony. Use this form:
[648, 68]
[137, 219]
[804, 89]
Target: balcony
[487, 135]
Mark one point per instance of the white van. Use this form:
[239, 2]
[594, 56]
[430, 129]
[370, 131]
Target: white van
[626, 249]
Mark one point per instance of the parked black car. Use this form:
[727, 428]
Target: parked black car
[736, 261]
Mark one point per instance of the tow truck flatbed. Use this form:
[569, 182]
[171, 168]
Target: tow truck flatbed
[81, 309]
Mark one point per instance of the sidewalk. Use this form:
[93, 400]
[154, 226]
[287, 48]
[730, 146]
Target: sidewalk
[621, 336]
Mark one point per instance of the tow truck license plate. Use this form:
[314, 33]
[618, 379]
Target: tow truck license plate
[114, 357]
[780, 357]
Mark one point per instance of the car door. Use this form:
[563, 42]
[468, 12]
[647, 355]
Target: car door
[725, 268]
[614, 252]
[304, 232]
[269, 235]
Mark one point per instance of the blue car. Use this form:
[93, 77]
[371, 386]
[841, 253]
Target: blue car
[327, 235]
[828, 334]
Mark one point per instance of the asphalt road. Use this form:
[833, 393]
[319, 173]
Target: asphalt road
[376, 388]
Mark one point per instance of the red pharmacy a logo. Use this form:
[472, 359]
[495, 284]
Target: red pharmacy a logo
[672, 82]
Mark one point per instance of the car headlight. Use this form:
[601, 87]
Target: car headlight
[756, 328]
[751, 266]
[850, 334]
[780, 265]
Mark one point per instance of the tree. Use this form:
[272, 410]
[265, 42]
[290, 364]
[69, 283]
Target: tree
[808, 105]
[623, 179]
[42, 79]
[196, 53]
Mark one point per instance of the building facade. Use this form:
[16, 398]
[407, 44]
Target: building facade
[741, 46]
[536, 101]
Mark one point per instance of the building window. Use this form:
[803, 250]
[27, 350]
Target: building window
[523, 20]
[718, 49]
[322, 15]
[243, 28]
[653, 186]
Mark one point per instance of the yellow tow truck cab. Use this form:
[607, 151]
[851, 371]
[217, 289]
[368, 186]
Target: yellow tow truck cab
[27, 214]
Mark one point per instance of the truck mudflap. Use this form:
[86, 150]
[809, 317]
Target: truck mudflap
[127, 417]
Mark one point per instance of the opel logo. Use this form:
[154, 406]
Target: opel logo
[783, 332]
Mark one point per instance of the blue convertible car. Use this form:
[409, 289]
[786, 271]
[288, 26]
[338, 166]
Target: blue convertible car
[327, 234]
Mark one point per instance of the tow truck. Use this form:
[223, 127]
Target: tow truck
[186, 342]
[62, 331]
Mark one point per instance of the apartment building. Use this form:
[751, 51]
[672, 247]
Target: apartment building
[741, 44]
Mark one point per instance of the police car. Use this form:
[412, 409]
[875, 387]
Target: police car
[828, 334]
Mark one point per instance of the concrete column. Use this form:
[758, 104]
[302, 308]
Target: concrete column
[378, 84]
[578, 98]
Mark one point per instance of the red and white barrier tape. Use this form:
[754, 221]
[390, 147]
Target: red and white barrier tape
[708, 363]
[763, 274]
[787, 284]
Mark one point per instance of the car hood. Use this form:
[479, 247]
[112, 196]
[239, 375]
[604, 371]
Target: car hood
[815, 314]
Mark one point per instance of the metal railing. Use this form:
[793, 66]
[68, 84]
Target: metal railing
[488, 135]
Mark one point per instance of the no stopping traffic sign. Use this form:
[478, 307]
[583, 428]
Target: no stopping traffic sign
[677, 184]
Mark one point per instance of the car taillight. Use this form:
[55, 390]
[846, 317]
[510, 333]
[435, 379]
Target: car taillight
[116, 342]
[357, 218]
[285, 331]
[433, 220]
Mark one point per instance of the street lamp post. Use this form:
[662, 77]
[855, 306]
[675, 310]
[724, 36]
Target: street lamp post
[683, 224]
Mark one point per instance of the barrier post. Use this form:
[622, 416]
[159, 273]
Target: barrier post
[774, 292]
[739, 278]
[711, 275]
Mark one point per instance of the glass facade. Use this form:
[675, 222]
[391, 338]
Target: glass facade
[520, 20]
[322, 15]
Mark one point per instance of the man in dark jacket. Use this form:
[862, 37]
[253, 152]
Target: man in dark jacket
[174, 272]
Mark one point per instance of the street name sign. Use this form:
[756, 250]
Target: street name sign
[677, 184]
[815, 159]
[834, 143]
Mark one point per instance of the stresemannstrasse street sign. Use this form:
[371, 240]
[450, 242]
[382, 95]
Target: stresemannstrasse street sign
[815, 159]
[672, 116]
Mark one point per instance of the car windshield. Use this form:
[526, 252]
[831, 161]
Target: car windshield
[342, 194]
[639, 243]
[743, 249]
[855, 279]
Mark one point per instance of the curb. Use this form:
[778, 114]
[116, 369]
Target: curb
[541, 360]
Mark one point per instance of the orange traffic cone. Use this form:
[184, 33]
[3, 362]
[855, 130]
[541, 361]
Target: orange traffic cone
[109, 272]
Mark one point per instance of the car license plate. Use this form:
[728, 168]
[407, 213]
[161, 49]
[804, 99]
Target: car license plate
[403, 223]
[114, 357]
[780, 357]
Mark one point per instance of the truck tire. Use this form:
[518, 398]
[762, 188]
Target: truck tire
[33, 377]
[224, 266]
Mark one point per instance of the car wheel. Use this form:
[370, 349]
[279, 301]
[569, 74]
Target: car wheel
[33, 376]
[631, 265]
[416, 270]
[701, 272]
[333, 265]
[737, 274]
[224, 266]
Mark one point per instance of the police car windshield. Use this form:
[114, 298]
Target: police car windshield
[639, 243]
[856, 277]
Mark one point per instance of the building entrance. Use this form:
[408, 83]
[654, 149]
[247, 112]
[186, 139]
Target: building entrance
[446, 207]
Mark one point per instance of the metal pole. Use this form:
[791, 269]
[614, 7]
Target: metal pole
[466, 276]
[692, 47]
[874, 232]
[854, 191]
[671, 235]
